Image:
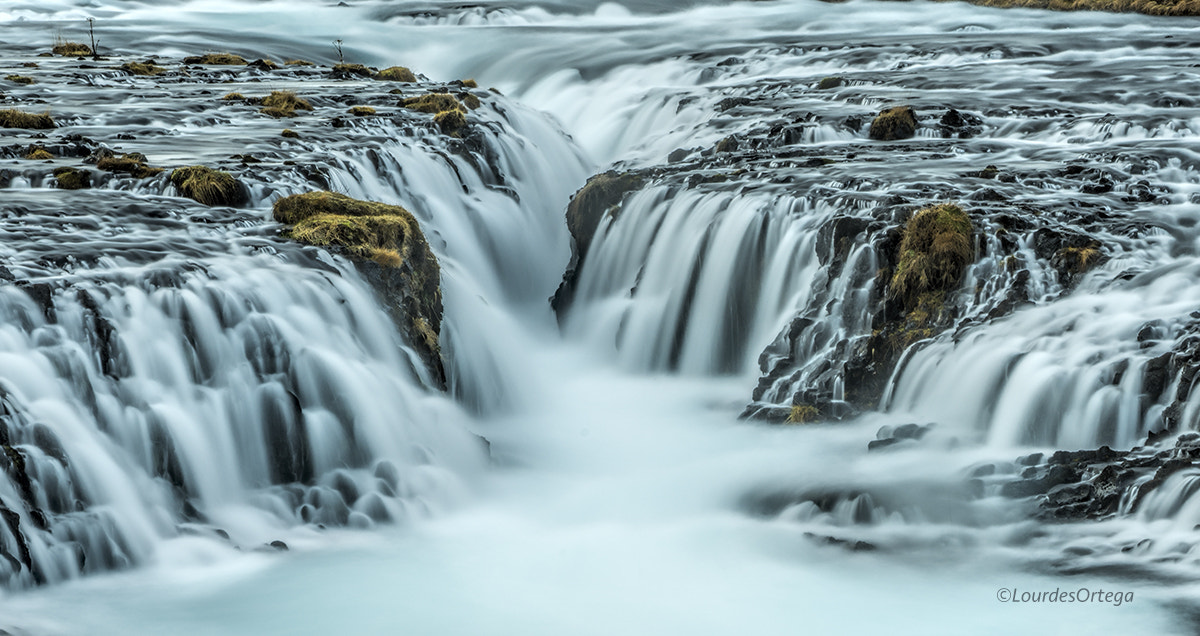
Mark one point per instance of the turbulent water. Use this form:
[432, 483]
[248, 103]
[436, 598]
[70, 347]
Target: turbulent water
[217, 388]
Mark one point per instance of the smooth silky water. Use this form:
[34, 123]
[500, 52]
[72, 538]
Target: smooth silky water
[615, 499]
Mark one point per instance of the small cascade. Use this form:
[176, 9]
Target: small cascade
[235, 396]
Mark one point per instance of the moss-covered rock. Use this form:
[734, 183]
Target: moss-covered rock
[234, 97]
[361, 111]
[208, 186]
[1077, 260]
[142, 68]
[470, 101]
[396, 74]
[470, 83]
[298, 63]
[133, 163]
[451, 122]
[393, 255]
[827, 83]
[216, 59]
[352, 70]
[290, 134]
[894, 123]
[72, 49]
[433, 103]
[20, 79]
[72, 178]
[37, 153]
[283, 104]
[935, 248]
[12, 118]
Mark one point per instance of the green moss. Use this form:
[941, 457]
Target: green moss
[20, 79]
[38, 154]
[138, 68]
[377, 231]
[470, 83]
[11, 118]
[72, 178]
[29, 64]
[71, 49]
[208, 186]
[894, 123]
[283, 104]
[234, 97]
[827, 83]
[361, 111]
[934, 249]
[133, 163]
[451, 122]
[290, 134]
[352, 69]
[396, 74]
[216, 59]
[298, 63]
[802, 414]
[298, 207]
[433, 103]
[470, 101]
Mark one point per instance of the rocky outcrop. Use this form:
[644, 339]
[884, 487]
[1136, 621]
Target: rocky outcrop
[388, 249]
[600, 196]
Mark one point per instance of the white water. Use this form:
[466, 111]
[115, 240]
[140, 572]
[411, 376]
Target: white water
[614, 505]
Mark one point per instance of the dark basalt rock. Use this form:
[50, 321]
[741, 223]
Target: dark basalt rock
[600, 196]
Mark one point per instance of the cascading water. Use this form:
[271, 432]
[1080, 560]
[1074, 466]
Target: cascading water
[203, 386]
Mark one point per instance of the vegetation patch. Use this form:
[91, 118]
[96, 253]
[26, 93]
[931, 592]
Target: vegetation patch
[133, 163]
[433, 103]
[72, 178]
[451, 122]
[290, 134]
[802, 414]
[894, 123]
[208, 186]
[234, 97]
[12, 118]
[361, 111]
[216, 59]
[396, 74]
[71, 49]
[140, 68]
[283, 104]
[20, 79]
[38, 153]
[298, 63]
[470, 83]
[1074, 261]
[376, 231]
[934, 249]
[352, 69]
